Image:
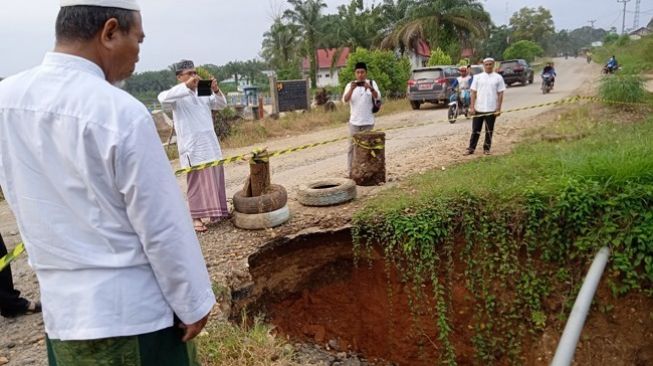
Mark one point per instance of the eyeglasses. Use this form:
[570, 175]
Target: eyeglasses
[191, 73]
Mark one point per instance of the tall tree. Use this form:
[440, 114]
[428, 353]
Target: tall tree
[357, 26]
[497, 42]
[279, 48]
[306, 14]
[441, 22]
[533, 24]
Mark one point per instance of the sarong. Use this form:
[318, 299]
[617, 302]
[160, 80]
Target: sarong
[206, 193]
[160, 348]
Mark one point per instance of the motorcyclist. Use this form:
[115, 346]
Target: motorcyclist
[462, 84]
[612, 64]
[548, 69]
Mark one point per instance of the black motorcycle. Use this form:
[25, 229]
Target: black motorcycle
[607, 70]
[547, 83]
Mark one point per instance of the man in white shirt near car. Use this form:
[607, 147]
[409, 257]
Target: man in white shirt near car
[121, 273]
[360, 95]
[487, 97]
[198, 143]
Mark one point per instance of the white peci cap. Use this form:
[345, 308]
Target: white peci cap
[488, 59]
[121, 4]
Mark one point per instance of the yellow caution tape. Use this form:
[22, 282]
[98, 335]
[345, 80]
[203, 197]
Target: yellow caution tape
[18, 250]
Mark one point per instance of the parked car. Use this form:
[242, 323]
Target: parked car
[514, 71]
[477, 69]
[431, 84]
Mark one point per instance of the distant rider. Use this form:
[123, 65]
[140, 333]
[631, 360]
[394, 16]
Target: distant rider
[463, 83]
[612, 64]
[548, 69]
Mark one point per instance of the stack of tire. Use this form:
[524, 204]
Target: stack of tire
[261, 212]
[327, 192]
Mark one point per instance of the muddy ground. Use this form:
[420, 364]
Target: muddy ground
[409, 151]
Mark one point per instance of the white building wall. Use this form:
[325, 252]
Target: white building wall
[327, 78]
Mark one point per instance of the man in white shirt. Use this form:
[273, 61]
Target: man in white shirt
[360, 95]
[487, 98]
[97, 205]
[197, 143]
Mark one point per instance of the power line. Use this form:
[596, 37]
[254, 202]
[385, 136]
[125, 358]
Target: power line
[623, 24]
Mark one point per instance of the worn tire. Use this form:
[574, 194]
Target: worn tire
[339, 190]
[261, 220]
[276, 198]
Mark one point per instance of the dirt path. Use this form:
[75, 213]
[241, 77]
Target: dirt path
[408, 151]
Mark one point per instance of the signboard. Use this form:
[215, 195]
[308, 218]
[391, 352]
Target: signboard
[290, 95]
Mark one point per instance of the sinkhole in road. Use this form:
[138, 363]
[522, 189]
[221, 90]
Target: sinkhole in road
[310, 288]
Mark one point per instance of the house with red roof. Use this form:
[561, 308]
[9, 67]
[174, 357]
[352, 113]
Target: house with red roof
[419, 56]
[327, 71]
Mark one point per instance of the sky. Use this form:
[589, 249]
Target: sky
[219, 31]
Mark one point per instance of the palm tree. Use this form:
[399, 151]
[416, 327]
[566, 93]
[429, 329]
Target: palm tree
[306, 14]
[440, 22]
[279, 48]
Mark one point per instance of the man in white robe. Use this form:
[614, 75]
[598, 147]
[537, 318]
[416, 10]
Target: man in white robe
[121, 273]
[198, 143]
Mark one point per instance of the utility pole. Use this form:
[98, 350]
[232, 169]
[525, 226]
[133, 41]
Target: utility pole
[592, 21]
[623, 24]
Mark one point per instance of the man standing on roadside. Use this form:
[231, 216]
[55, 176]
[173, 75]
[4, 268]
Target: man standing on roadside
[11, 304]
[360, 94]
[121, 272]
[198, 143]
[487, 97]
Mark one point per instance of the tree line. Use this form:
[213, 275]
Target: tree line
[396, 26]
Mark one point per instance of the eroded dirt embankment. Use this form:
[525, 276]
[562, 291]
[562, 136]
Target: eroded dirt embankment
[311, 288]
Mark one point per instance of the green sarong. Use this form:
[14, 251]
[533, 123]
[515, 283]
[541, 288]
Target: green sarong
[160, 348]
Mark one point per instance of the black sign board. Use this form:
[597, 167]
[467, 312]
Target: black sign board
[292, 95]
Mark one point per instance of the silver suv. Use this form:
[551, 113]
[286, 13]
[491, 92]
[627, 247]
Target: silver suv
[431, 84]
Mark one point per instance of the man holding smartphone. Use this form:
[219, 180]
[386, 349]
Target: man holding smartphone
[197, 142]
[360, 94]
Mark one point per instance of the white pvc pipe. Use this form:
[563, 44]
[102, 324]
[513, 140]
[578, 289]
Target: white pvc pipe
[567, 345]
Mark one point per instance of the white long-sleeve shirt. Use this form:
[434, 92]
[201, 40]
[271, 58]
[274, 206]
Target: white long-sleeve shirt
[196, 139]
[99, 210]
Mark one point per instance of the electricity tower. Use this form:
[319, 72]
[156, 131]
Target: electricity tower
[636, 16]
[592, 21]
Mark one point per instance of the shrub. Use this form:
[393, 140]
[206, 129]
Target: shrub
[439, 57]
[527, 50]
[623, 88]
[389, 72]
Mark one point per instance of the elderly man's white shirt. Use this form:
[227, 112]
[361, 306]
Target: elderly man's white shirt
[196, 139]
[102, 217]
[487, 88]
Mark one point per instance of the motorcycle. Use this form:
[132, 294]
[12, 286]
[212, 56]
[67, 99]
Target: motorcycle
[547, 83]
[458, 104]
[610, 69]
[589, 59]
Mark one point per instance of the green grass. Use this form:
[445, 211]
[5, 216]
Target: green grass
[227, 344]
[612, 154]
[623, 88]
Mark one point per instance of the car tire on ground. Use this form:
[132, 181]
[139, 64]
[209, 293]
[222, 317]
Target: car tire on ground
[262, 220]
[275, 198]
[327, 192]
[414, 104]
